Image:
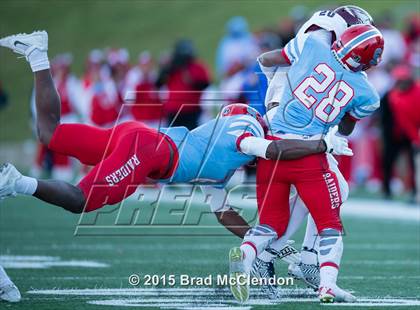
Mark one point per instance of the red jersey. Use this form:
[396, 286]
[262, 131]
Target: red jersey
[181, 88]
[147, 105]
[405, 107]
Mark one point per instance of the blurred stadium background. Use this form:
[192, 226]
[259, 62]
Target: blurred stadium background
[101, 49]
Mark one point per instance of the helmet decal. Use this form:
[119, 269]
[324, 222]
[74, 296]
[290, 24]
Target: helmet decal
[376, 57]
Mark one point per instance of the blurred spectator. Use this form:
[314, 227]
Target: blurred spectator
[3, 97]
[394, 43]
[185, 78]
[108, 89]
[255, 85]
[379, 76]
[299, 15]
[236, 49]
[401, 123]
[412, 39]
[141, 80]
[286, 29]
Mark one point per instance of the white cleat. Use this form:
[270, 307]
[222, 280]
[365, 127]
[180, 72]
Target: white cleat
[8, 177]
[24, 44]
[334, 294]
[308, 273]
[8, 291]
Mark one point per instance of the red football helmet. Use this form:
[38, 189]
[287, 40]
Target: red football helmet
[359, 47]
[243, 109]
[354, 15]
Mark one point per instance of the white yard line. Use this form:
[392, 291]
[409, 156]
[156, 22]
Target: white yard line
[206, 298]
[44, 262]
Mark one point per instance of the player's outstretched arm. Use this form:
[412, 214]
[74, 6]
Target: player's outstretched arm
[294, 149]
[288, 149]
[273, 59]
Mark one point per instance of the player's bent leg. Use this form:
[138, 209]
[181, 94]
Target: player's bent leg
[48, 106]
[137, 155]
[319, 189]
[217, 199]
[55, 192]
[272, 196]
[8, 290]
[281, 247]
[89, 144]
[241, 259]
[256, 240]
[307, 269]
[62, 194]
[233, 222]
[330, 252]
[34, 48]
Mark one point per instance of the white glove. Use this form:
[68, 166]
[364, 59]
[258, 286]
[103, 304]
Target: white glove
[337, 145]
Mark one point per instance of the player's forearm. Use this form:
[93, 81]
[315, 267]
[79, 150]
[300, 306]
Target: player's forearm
[272, 59]
[294, 149]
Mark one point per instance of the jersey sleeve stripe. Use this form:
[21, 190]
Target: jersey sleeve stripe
[283, 52]
[240, 138]
[290, 55]
[296, 47]
[357, 115]
[355, 119]
[256, 125]
[366, 110]
[249, 129]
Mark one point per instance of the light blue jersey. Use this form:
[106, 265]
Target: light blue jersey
[209, 154]
[321, 91]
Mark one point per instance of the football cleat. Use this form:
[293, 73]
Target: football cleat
[8, 177]
[265, 270]
[308, 273]
[8, 291]
[24, 44]
[239, 279]
[334, 294]
[288, 254]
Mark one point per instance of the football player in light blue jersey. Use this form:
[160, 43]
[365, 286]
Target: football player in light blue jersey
[211, 153]
[326, 88]
[326, 93]
[326, 26]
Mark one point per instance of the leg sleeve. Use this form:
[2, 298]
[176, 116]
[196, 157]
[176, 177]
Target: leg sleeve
[86, 143]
